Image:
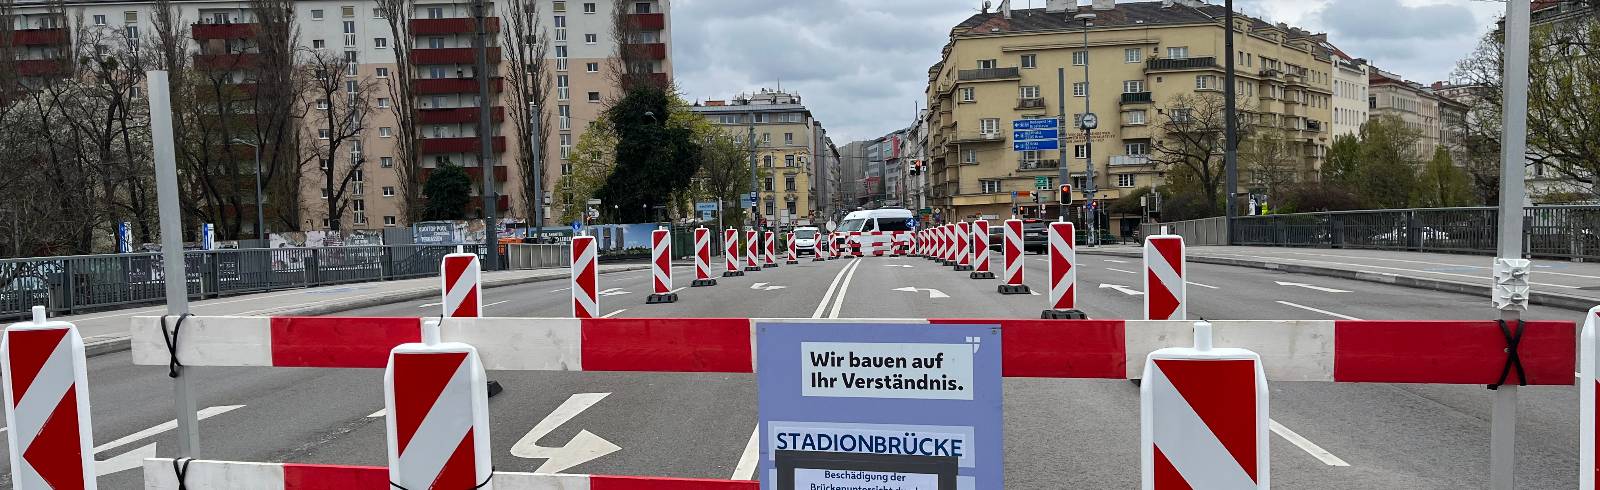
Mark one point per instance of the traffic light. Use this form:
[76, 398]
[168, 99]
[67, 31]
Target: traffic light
[1036, 198]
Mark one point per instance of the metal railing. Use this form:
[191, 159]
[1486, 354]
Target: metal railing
[1181, 63]
[521, 256]
[1204, 231]
[988, 73]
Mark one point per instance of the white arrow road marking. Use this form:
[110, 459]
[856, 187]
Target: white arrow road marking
[1192, 283]
[613, 292]
[1124, 289]
[1325, 312]
[675, 291]
[559, 290]
[1308, 286]
[135, 458]
[1120, 270]
[762, 286]
[932, 293]
[125, 461]
[583, 447]
[381, 412]
[1115, 261]
[746, 469]
[1312, 448]
[425, 305]
[614, 313]
[495, 303]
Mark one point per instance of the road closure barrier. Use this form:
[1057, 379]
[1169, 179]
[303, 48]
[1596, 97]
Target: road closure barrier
[437, 405]
[794, 255]
[1588, 398]
[980, 250]
[585, 278]
[47, 404]
[219, 475]
[461, 283]
[1165, 288]
[771, 254]
[1203, 417]
[661, 267]
[752, 251]
[702, 258]
[1063, 272]
[730, 253]
[1012, 252]
[963, 246]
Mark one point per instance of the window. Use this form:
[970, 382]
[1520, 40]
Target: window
[101, 50]
[1178, 52]
[564, 115]
[1132, 55]
[349, 33]
[766, 140]
[350, 65]
[322, 134]
[788, 183]
[989, 125]
[435, 12]
[324, 196]
[1030, 61]
[592, 67]
[562, 91]
[380, 42]
[386, 162]
[1077, 120]
[769, 204]
[594, 97]
[1132, 86]
[1028, 91]
[641, 8]
[1124, 180]
[969, 156]
[591, 38]
[316, 14]
[766, 185]
[1136, 148]
[766, 161]
[130, 17]
[385, 132]
[561, 51]
[986, 64]
[322, 104]
[1080, 151]
[788, 160]
[347, 11]
[1132, 117]
[1080, 89]
[1079, 182]
[588, 8]
[559, 6]
[131, 32]
[1247, 59]
[99, 20]
[435, 43]
[566, 145]
[1181, 115]
[318, 44]
[377, 13]
[1205, 82]
[382, 72]
[388, 191]
[383, 102]
[788, 139]
[360, 210]
[990, 186]
[968, 94]
[1080, 58]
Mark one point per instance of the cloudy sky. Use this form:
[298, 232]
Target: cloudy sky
[861, 65]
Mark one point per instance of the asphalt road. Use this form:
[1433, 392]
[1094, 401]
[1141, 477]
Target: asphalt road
[1058, 433]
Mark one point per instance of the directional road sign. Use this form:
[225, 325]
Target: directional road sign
[1041, 123]
[1028, 145]
[1035, 134]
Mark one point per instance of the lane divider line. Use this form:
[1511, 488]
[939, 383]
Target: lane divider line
[1306, 445]
[1325, 312]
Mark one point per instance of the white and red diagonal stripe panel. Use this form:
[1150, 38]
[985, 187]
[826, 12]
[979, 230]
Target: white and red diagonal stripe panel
[585, 278]
[947, 243]
[772, 248]
[730, 249]
[220, 475]
[1204, 420]
[1063, 266]
[1588, 400]
[855, 243]
[47, 406]
[963, 244]
[1164, 286]
[954, 254]
[794, 254]
[661, 261]
[461, 285]
[980, 245]
[438, 424]
[1012, 250]
[752, 249]
[702, 253]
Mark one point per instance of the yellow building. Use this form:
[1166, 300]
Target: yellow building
[1147, 61]
[787, 137]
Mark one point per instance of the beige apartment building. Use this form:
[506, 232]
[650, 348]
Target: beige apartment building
[1350, 81]
[1419, 107]
[1000, 66]
[581, 58]
[788, 139]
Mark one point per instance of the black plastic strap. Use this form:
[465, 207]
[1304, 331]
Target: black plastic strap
[1513, 357]
[474, 487]
[180, 467]
[174, 368]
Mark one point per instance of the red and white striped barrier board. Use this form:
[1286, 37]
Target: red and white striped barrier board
[702, 258]
[1378, 351]
[730, 253]
[855, 243]
[585, 278]
[661, 267]
[47, 405]
[1588, 398]
[772, 249]
[980, 250]
[947, 244]
[1063, 268]
[1012, 251]
[819, 246]
[880, 243]
[461, 284]
[918, 241]
[1164, 285]
[1203, 417]
[902, 243]
[794, 255]
[963, 246]
[437, 398]
[752, 250]
[231, 475]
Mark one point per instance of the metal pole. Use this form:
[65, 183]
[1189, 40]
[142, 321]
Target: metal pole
[491, 229]
[755, 179]
[1514, 120]
[1088, 149]
[261, 216]
[1230, 147]
[538, 168]
[175, 279]
[1061, 138]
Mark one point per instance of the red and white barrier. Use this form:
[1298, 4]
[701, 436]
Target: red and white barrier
[980, 250]
[661, 267]
[1203, 417]
[1060, 239]
[461, 285]
[1588, 398]
[1165, 289]
[855, 243]
[47, 405]
[702, 258]
[772, 249]
[963, 246]
[881, 242]
[947, 246]
[437, 399]
[1012, 251]
[585, 278]
[902, 243]
[819, 246]
[752, 250]
[230, 475]
[730, 253]
[794, 255]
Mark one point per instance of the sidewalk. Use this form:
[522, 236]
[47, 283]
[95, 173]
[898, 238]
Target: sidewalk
[1561, 284]
[107, 331]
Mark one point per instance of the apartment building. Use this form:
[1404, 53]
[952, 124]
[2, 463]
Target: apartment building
[786, 137]
[444, 83]
[1421, 109]
[1000, 66]
[1350, 80]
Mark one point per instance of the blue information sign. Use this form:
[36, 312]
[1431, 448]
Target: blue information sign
[576, 226]
[1035, 145]
[705, 206]
[1041, 123]
[1034, 134]
[887, 406]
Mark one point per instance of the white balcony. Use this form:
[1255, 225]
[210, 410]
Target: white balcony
[1118, 160]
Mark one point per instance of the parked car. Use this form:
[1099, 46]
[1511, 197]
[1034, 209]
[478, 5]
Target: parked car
[1033, 236]
[1426, 233]
[886, 220]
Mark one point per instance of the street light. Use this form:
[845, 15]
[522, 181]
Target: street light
[1088, 124]
[261, 222]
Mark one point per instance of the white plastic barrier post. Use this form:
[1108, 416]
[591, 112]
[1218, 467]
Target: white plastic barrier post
[661, 267]
[772, 249]
[963, 246]
[1203, 417]
[1063, 273]
[1012, 250]
[437, 402]
[1588, 423]
[461, 286]
[835, 248]
[702, 258]
[752, 250]
[855, 243]
[1164, 286]
[794, 254]
[47, 405]
[951, 246]
[819, 246]
[730, 253]
[585, 278]
[946, 244]
[980, 250]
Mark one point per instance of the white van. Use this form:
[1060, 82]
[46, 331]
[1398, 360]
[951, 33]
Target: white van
[805, 240]
[887, 221]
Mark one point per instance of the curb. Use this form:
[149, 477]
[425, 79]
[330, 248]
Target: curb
[108, 345]
[1475, 289]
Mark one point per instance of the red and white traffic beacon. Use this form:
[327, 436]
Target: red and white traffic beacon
[585, 277]
[730, 253]
[1063, 273]
[793, 254]
[980, 250]
[1013, 259]
[772, 250]
[47, 405]
[462, 285]
[1164, 284]
[437, 399]
[661, 268]
[963, 252]
[1588, 395]
[702, 258]
[1203, 417]
[752, 250]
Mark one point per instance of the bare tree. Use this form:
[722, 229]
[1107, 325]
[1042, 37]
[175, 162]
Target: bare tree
[631, 67]
[1191, 137]
[526, 43]
[275, 81]
[408, 158]
[336, 108]
[1272, 169]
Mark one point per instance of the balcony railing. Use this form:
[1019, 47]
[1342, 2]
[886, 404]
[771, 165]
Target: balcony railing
[224, 62]
[39, 37]
[434, 146]
[979, 137]
[475, 173]
[1136, 97]
[989, 74]
[435, 86]
[660, 79]
[1117, 160]
[1181, 64]
[648, 22]
[1038, 164]
[451, 56]
[458, 115]
[502, 203]
[1030, 103]
[223, 31]
[456, 25]
[649, 51]
[35, 68]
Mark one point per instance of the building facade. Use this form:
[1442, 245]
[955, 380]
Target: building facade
[1350, 80]
[1392, 95]
[786, 137]
[1143, 59]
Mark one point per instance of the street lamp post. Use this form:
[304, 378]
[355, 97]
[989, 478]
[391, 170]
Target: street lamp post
[1230, 146]
[261, 226]
[1088, 124]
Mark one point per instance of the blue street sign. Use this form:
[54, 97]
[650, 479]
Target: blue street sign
[576, 225]
[1035, 145]
[705, 206]
[831, 396]
[1050, 123]
[1034, 134]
